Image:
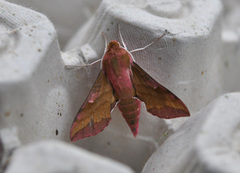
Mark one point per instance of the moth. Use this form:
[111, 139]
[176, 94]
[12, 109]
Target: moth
[123, 83]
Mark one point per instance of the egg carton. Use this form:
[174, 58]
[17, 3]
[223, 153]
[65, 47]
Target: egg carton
[42, 86]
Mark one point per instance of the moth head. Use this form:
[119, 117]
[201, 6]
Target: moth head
[113, 45]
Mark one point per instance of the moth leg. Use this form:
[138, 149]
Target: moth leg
[84, 65]
[121, 37]
[148, 45]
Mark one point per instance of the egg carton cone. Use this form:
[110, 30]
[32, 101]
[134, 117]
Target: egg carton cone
[55, 156]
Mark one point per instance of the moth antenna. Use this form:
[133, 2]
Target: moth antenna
[121, 37]
[105, 41]
[148, 45]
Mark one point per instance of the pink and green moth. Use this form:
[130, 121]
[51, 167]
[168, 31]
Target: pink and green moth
[123, 83]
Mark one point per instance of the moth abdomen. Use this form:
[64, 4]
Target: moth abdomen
[130, 109]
